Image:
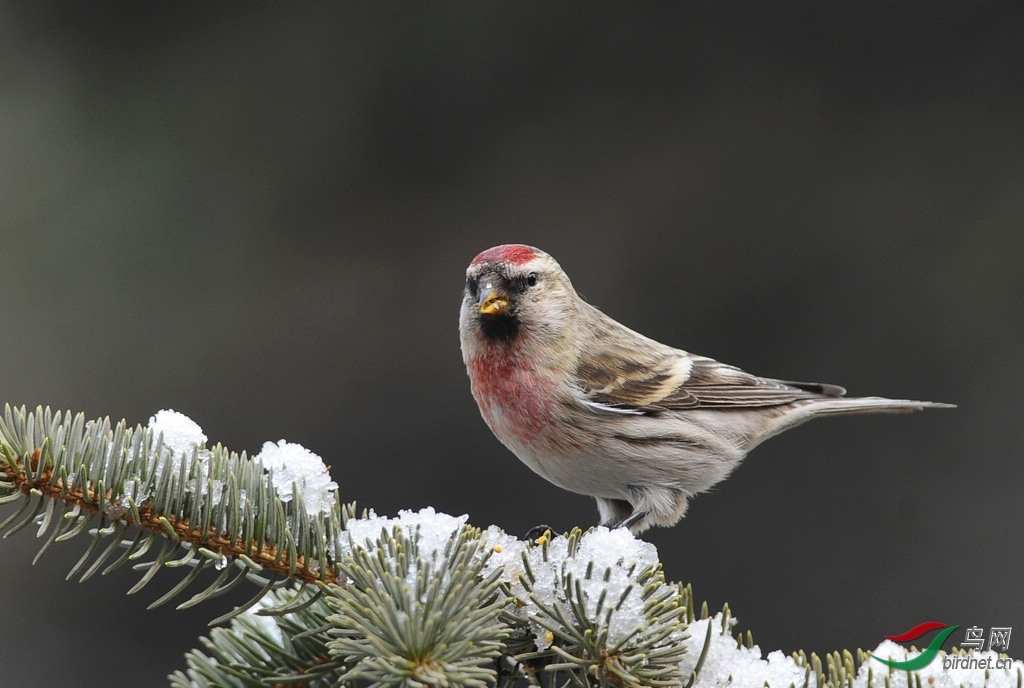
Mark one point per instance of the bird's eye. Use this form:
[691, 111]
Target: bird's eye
[531, 279]
[471, 286]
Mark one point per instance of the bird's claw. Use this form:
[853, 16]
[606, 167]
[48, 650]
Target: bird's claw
[538, 532]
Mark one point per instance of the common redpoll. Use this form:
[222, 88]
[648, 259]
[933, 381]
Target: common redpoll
[601, 410]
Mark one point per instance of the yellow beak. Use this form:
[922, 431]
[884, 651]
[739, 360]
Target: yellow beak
[493, 304]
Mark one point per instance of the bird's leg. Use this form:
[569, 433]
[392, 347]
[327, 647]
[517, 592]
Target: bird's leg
[631, 520]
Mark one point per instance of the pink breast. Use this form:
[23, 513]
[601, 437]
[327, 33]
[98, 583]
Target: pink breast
[514, 399]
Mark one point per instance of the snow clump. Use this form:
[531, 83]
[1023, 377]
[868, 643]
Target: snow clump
[601, 553]
[295, 468]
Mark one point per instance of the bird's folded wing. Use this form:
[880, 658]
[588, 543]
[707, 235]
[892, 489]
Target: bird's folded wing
[670, 380]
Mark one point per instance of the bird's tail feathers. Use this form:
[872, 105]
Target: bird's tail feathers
[838, 406]
[844, 405]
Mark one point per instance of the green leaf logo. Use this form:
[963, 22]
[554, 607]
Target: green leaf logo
[929, 654]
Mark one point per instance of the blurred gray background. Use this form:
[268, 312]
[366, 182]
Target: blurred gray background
[262, 218]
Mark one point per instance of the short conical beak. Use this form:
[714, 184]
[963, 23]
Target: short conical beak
[491, 302]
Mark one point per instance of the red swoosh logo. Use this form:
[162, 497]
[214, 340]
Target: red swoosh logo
[916, 632]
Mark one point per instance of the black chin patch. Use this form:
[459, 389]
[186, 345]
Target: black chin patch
[502, 327]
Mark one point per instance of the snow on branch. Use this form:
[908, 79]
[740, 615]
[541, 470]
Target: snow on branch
[421, 599]
[144, 485]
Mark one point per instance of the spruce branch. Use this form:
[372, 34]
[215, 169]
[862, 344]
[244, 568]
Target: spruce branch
[414, 609]
[412, 615]
[422, 599]
[260, 649]
[599, 610]
[211, 506]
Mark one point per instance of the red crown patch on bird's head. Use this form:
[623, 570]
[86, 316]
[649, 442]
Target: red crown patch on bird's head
[517, 254]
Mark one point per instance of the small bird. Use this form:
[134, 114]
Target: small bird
[601, 410]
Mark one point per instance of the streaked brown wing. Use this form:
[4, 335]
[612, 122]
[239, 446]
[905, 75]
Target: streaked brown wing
[628, 372]
[616, 379]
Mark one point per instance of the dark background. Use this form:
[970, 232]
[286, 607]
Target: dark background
[262, 217]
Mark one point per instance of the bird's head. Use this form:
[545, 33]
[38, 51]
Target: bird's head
[514, 293]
